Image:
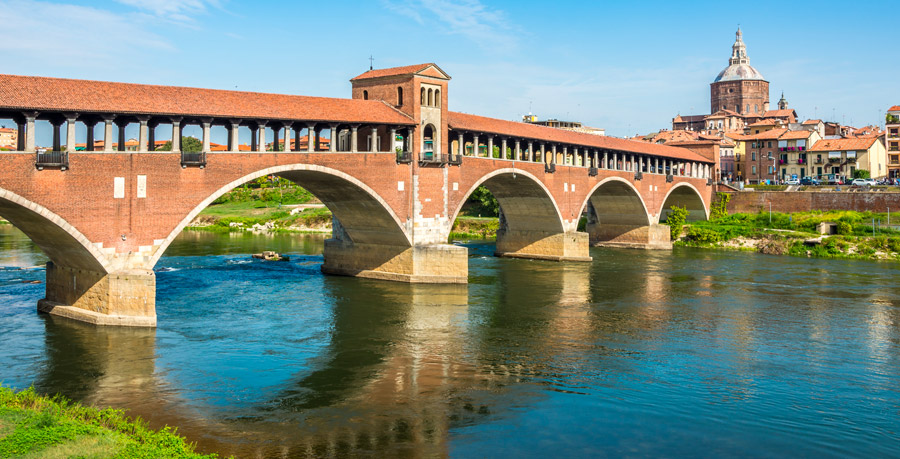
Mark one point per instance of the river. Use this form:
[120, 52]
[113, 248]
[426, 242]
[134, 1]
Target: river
[640, 353]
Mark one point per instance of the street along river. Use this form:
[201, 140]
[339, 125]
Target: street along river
[640, 353]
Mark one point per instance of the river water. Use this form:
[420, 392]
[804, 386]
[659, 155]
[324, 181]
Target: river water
[640, 353]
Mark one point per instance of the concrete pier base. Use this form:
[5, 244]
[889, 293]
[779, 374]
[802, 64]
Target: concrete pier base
[125, 298]
[432, 264]
[654, 236]
[539, 245]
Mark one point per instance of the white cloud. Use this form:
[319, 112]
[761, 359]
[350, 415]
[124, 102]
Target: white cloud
[41, 35]
[489, 28]
[172, 10]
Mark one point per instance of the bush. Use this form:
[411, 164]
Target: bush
[701, 235]
[844, 227]
[676, 218]
[719, 208]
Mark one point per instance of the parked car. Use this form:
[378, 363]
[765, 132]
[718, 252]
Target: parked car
[792, 182]
[809, 181]
[862, 182]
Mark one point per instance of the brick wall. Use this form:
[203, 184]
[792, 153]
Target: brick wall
[803, 201]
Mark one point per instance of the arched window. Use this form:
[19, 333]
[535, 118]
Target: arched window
[437, 97]
[422, 98]
[748, 108]
[399, 96]
[428, 149]
[365, 95]
[430, 97]
[756, 108]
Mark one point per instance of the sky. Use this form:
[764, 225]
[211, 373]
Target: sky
[627, 67]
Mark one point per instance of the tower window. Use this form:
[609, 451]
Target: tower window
[365, 95]
[399, 96]
[430, 98]
[422, 99]
[437, 97]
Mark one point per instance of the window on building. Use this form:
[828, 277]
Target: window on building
[753, 156]
[422, 97]
[756, 108]
[437, 97]
[753, 169]
[430, 97]
[399, 96]
[769, 144]
[748, 108]
[365, 95]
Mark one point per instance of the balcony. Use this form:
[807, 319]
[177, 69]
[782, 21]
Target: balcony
[818, 161]
[454, 160]
[427, 158]
[404, 157]
[592, 172]
[834, 160]
[54, 159]
[550, 168]
[193, 159]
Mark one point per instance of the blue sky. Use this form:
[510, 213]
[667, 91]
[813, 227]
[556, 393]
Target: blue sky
[628, 67]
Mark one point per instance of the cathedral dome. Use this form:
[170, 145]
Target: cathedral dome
[739, 67]
[739, 72]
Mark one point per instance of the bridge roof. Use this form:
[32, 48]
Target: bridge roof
[26, 93]
[463, 121]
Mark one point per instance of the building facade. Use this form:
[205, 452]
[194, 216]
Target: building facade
[843, 157]
[892, 141]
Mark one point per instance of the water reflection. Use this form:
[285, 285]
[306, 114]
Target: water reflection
[639, 353]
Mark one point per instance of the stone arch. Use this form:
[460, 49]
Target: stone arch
[685, 195]
[60, 241]
[617, 201]
[618, 216]
[365, 217]
[525, 201]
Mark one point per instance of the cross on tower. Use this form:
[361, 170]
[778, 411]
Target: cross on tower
[371, 62]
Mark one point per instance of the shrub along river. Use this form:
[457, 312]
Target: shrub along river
[640, 353]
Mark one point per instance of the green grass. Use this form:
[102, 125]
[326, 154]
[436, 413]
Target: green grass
[32, 426]
[474, 228]
[786, 233]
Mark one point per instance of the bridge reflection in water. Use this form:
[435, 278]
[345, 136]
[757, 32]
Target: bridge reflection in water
[405, 364]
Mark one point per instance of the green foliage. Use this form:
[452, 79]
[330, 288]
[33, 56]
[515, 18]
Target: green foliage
[703, 236]
[474, 228]
[844, 227]
[41, 422]
[483, 203]
[719, 208]
[676, 219]
[189, 144]
[763, 187]
[267, 191]
[891, 119]
[861, 173]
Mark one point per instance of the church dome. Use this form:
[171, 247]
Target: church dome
[739, 72]
[739, 67]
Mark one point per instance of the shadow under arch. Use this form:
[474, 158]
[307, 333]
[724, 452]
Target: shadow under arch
[363, 215]
[618, 217]
[685, 195]
[525, 202]
[531, 224]
[60, 241]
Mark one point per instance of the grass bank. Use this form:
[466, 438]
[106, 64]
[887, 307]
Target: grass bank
[475, 228]
[32, 426]
[861, 235]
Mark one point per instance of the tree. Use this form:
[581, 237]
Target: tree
[486, 201]
[861, 173]
[676, 219]
[190, 144]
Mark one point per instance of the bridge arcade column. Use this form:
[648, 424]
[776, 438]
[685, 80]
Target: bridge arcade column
[70, 131]
[206, 123]
[354, 138]
[234, 143]
[332, 145]
[261, 133]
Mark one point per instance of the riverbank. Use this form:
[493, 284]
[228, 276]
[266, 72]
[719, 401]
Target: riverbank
[33, 426]
[860, 235]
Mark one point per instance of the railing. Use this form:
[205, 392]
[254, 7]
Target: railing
[549, 168]
[430, 157]
[592, 172]
[454, 159]
[193, 159]
[670, 178]
[818, 160]
[58, 159]
[638, 175]
[834, 160]
[404, 157]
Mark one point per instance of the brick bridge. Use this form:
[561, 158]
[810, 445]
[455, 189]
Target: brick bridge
[395, 171]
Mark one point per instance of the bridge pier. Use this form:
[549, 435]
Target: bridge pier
[541, 245]
[126, 298]
[653, 236]
[429, 264]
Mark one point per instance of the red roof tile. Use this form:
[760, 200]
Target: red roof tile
[796, 135]
[863, 143]
[894, 108]
[396, 71]
[812, 121]
[22, 93]
[462, 121]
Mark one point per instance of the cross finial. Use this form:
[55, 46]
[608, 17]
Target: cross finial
[371, 62]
